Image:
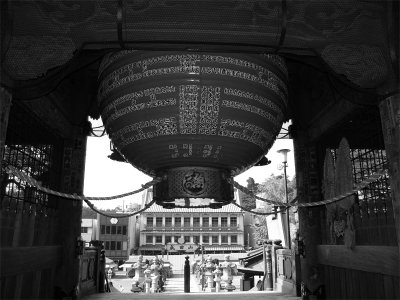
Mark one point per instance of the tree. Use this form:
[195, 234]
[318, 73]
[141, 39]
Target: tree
[88, 213]
[273, 188]
[249, 201]
[260, 228]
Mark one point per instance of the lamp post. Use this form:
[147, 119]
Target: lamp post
[283, 166]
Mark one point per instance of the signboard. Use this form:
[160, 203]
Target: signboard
[189, 248]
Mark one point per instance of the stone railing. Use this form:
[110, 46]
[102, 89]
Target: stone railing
[285, 270]
[89, 271]
[193, 228]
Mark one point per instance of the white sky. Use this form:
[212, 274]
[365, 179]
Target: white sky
[106, 177]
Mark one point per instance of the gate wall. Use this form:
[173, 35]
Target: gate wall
[39, 232]
[358, 254]
[29, 218]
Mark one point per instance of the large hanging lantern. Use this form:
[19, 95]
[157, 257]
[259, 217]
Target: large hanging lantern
[194, 119]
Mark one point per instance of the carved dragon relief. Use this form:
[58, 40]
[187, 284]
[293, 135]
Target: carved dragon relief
[30, 57]
[361, 64]
[338, 179]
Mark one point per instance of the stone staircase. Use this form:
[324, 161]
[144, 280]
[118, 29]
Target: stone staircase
[175, 284]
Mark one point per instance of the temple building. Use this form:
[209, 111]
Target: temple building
[219, 231]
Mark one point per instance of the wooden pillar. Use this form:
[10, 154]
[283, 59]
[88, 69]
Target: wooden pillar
[390, 119]
[308, 190]
[5, 105]
[73, 170]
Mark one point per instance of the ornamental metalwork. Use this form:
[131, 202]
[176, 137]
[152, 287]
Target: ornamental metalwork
[170, 110]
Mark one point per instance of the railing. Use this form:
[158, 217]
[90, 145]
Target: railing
[90, 271]
[285, 270]
[193, 228]
[117, 254]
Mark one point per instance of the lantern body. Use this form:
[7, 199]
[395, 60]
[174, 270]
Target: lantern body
[193, 118]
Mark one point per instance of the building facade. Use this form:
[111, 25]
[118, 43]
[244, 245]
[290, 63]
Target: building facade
[217, 230]
[119, 236]
[88, 229]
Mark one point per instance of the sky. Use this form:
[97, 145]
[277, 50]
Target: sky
[106, 177]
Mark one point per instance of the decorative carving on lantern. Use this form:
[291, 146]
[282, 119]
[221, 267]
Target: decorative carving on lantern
[192, 119]
[194, 182]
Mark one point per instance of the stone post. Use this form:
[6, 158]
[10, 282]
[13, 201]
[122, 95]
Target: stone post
[277, 244]
[269, 278]
[209, 268]
[147, 280]
[102, 271]
[187, 275]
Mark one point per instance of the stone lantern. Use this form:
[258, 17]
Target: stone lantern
[147, 280]
[228, 270]
[155, 275]
[217, 279]
[209, 269]
[139, 267]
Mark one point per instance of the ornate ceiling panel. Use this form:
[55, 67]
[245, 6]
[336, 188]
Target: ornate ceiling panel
[351, 36]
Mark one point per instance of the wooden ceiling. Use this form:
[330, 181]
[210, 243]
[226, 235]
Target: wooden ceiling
[339, 56]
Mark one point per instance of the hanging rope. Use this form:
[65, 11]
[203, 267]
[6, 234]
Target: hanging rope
[24, 177]
[119, 216]
[375, 176]
[34, 183]
[259, 212]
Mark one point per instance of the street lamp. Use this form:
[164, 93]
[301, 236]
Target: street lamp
[283, 166]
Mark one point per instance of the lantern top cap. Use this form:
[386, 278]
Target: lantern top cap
[284, 152]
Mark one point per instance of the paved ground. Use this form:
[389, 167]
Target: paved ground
[122, 285]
